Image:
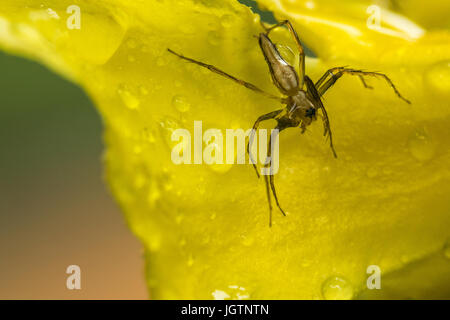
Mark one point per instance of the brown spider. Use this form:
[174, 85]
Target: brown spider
[301, 105]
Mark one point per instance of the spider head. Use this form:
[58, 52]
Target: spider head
[310, 112]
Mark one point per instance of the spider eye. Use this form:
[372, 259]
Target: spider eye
[310, 112]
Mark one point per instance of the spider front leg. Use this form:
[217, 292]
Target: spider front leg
[267, 116]
[335, 73]
[212, 68]
[301, 71]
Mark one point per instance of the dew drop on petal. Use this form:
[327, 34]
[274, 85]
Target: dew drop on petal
[226, 20]
[128, 98]
[213, 38]
[337, 288]
[168, 126]
[220, 295]
[238, 293]
[421, 145]
[180, 103]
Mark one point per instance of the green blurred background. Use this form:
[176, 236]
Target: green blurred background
[55, 210]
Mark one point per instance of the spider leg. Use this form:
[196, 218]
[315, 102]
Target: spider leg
[336, 73]
[364, 82]
[269, 179]
[330, 73]
[226, 75]
[314, 94]
[267, 116]
[301, 52]
[269, 200]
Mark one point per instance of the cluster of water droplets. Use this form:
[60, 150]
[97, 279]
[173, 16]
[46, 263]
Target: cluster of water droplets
[233, 292]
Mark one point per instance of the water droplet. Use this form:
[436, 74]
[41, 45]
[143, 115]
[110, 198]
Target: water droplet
[213, 38]
[437, 77]
[337, 288]
[421, 145]
[129, 99]
[238, 292]
[220, 295]
[181, 103]
[52, 13]
[447, 249]
[169, 125]
[226, 20]
[287, 53]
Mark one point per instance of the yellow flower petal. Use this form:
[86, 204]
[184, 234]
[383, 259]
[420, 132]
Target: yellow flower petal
[205, 228]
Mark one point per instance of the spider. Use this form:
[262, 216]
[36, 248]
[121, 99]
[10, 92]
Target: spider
[303, 96]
